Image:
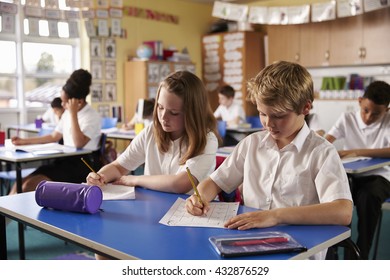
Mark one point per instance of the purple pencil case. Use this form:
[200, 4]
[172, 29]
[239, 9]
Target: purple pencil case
[69, 196]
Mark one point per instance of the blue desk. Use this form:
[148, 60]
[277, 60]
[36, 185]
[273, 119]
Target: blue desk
[130, 229]
[46, 129]
[17, 158]
[365, 165]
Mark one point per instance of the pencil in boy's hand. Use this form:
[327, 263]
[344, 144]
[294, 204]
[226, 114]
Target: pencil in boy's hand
[193, 185]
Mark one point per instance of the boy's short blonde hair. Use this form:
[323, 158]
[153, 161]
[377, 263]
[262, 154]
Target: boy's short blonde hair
[286, 86]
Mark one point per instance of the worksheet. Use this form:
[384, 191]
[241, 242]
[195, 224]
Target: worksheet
[218, 214]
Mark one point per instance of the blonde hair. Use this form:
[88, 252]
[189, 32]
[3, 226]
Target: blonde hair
[286, 86]
[199, 119]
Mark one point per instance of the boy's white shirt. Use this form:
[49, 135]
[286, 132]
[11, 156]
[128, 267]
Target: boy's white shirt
[230, 113]
[358, 135]
[307, 171]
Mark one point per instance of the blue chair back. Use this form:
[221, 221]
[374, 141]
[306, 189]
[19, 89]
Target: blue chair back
[222, 128]
[254, 121]
[109, 122]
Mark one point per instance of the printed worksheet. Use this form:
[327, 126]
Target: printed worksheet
[219, 213]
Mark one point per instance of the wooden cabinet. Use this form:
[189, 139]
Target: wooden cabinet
[355, 40]
[232, 58]
[142, 79]
[284, 43]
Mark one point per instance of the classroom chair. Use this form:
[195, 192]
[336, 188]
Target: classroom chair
[109, 122]
[254, 121]
[222, 128]
[385, 206]
[7, 178]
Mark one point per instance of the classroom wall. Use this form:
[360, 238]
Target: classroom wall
[194, 21]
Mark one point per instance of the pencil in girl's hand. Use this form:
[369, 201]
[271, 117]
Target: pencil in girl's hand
[90, 168]
[193, 185]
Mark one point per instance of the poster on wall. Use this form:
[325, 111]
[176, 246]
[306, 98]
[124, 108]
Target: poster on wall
[104, 110]
[323, 11]
[96, 48]
[110, 48]
[371, 5]
[97, 69]
[110, 70]
[97, 92]
[110, 92]
[347, 8]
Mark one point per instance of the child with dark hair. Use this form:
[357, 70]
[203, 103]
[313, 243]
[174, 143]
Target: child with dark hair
[79, 127]
[147, 115]
[54, 113]
[367, 133]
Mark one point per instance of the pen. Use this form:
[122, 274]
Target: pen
[193, 185]
[259, 241]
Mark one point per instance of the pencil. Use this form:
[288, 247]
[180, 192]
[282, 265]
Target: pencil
[193, 185]
[86, 163]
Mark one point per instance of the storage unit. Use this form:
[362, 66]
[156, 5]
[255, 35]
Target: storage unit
[232, 58]
[142, 79]
[355, 40]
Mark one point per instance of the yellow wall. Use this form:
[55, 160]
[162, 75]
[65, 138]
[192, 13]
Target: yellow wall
[194, 21]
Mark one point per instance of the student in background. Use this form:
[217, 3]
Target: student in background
[183, 135]
[313, 123]
[54, 113]
[147, 115]
[79, 127]
[290, 173]
[366, 132]
[230, 112]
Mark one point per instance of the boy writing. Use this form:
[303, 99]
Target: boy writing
[368, 133]
[287, 171]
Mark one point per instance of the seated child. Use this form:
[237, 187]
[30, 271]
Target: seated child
[366, 132]
[289, 172]
[147, 115]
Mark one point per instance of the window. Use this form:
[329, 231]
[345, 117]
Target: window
[34, 75]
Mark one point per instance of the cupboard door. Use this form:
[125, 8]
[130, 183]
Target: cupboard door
[346, 41]
[376, 37]
[315, 44]
[284, 43]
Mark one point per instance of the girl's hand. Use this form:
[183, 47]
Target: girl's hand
[95, 179]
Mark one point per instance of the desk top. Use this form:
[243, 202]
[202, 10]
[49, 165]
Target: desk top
[365, 165]
[129, 229]
[115, 133]
[10, 155]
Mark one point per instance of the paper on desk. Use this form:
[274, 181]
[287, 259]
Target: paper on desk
[44, 149]
[353, 159]
[219, 213]
[117, 192]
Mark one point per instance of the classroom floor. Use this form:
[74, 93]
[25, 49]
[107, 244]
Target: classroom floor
[41, 246]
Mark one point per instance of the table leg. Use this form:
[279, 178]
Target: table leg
[22, 252]
[3, 242]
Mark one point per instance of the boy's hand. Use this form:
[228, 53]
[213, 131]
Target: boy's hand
[257, 219]
[196, 208]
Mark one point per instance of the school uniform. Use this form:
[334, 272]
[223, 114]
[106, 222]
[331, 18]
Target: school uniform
[228, 114]
[143, 150]
[306, 171]
[370, 188]
[72, 169]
